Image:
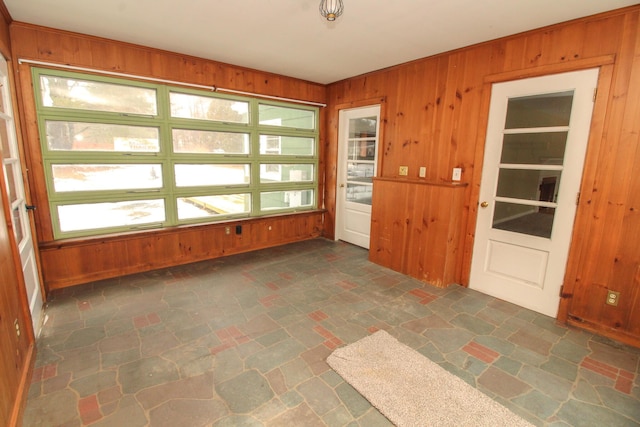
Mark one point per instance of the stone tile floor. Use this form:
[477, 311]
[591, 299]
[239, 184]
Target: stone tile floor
[242, 341]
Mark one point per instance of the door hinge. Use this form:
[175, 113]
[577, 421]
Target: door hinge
[595, 93]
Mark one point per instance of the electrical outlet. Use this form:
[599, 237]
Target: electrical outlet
[227, 230]
[613, 297]
[404, 171]
[423, 172]
[457, 174]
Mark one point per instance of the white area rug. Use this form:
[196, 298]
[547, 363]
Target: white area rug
[411, 390]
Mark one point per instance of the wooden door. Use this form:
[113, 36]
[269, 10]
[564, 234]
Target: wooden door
[537, 135]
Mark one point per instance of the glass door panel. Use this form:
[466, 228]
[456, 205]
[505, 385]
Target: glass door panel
[531, 163]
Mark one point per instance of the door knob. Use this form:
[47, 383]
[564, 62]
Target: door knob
[484, 204]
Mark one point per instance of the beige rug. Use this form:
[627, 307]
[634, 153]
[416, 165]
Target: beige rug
[410, 390]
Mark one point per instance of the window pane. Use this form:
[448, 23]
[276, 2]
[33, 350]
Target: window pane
[287, 145]
[363, 127]
[534, 148]
[92, 216]
[362, 149]
[209, 108]
[198, 141]
[190, 175]
[541, 185]
[11, 182]
[359, 193]
[539, 110]
[286, 173]
[361, 172]
[96, 177]
[4, 136]
[286, 117]
[79, 136]
[272, 200]
[532, 220]
[212, 206]
[18, 231]
[64, 92]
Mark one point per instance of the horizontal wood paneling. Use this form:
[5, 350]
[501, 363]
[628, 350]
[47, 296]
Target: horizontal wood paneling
[66, 263]
[436, 116]
[74, 262]
[421, 241]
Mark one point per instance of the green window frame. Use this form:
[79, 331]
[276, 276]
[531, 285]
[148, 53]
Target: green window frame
[122, 155]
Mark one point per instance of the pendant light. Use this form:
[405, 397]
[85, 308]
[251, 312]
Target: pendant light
[331, 9]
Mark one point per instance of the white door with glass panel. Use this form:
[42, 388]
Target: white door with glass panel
[358, 132]
[534, 155]
[15, 190]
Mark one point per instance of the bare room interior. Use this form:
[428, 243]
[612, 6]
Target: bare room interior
[320, 213]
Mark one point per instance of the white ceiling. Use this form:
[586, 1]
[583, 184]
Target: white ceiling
[289, 37]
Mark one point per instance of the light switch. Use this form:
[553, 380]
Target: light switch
[423, 172]
[457, 174]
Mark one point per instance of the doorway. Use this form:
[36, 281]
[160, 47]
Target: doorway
[534, 155]
[358, 135]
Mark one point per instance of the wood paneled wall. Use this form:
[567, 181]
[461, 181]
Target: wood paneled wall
[421, 241]
[436, 113]
[82, 261]
[66, 263]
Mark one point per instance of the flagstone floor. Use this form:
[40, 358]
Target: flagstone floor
[242, 341]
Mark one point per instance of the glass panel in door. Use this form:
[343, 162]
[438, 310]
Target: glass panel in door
[531, 163]
[361, 161]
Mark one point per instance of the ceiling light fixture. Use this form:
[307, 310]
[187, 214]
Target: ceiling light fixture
[331, 9]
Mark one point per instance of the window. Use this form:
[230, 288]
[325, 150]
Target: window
[121, 155]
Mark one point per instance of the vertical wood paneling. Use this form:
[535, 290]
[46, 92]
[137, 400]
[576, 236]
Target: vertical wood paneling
[445, 113]
[422, 240]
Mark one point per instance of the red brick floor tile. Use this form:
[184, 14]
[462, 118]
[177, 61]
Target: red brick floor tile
[600, 368]
[318, 316]
[481, 352]
[89, 409]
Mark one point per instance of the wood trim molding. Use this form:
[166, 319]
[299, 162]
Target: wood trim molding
[560, 67]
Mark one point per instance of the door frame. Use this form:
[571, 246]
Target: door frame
[340, 167]
[37, 298]
[605, 78]
[332, 154]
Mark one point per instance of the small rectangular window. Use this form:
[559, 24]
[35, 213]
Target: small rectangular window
[92, 216]
[81, 136]
[277, 145]
[288, 199]
[79, 94]
[188, 106]
[198, 175]
[210, 142]
[100, 177]
[295, 118]
[213, 206]
[286, 173]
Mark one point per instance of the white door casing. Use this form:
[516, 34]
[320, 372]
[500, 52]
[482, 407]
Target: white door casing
[358, 135]
[15, 189]
[535, 147]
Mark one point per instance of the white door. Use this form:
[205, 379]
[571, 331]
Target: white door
[534, 154]
[15, 189]
[358, 131]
